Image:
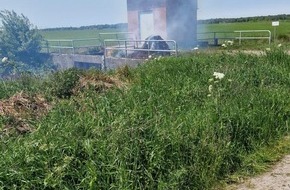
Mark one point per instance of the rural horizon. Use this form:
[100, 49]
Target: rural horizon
[209, 20]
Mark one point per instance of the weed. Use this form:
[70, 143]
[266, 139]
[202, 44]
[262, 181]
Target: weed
[62, 83]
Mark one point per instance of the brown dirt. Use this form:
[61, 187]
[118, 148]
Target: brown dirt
[98, 83]
[278, 178]
[20, 108]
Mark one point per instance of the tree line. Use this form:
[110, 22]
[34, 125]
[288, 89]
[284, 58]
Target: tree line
[245, 19]
[98, 27]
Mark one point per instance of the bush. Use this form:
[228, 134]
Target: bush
[62, 83]
[20, 43]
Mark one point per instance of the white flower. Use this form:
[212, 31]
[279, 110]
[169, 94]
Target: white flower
[224, 45]
[229, 42]
[279, 45]
[218, 75]
[196, 48]
[5, 59]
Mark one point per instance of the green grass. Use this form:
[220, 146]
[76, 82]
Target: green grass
[261, 25]
[282, 29]
[225, 31]
[165, 130]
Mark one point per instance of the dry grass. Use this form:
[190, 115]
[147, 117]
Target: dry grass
[20, 108]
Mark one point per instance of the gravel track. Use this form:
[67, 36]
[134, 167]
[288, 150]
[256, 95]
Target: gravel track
[278, 178]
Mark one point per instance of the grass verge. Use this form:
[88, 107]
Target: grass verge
[184, 123]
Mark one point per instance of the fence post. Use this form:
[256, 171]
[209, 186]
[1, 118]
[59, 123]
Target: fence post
[240, 40]
[126, 51]
[270, 35]
[73, 46]
[59, 47]
[47, 46]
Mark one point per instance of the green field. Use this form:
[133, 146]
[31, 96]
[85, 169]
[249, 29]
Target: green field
[74, 33]
[282, 29]
[206, 33]
[225, 31]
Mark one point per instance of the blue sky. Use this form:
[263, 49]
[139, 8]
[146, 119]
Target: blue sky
[61, 13]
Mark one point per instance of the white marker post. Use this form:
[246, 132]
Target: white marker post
[275, 24]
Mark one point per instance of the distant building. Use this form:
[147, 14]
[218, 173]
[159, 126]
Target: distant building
[171, 19]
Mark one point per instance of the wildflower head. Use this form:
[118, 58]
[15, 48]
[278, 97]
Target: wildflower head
[218, 75]
[229, 42]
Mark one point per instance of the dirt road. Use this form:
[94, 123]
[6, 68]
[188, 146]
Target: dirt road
[278, 178]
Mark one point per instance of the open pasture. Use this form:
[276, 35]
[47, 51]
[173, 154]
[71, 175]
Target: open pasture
[74, 33]
[282, 29]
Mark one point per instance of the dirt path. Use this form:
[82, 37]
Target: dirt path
[276, 179]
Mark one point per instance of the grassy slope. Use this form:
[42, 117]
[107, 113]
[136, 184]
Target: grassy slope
[167, 131]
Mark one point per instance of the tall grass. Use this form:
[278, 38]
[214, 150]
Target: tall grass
[168, 130]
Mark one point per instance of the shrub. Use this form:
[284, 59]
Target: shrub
[62, 83]
[20, 43]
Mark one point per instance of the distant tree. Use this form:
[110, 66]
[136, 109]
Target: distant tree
[20, 42]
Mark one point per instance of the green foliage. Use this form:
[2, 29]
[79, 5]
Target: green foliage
[283, 37]
[169, 130]
[25, 82]
[20, 43]
[62, 83]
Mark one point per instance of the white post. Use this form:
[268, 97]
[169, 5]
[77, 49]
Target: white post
[275, 24]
